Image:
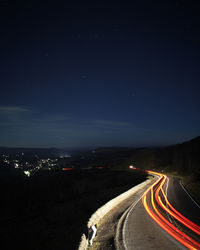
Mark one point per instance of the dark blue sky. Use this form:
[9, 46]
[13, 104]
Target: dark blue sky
[99, 73]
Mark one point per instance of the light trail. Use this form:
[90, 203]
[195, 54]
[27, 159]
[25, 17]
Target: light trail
[153, 200]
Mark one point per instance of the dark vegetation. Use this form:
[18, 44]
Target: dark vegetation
[50, 210]
[182, 160]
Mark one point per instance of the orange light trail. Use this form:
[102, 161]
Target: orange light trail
[156, 207]
[176, 215]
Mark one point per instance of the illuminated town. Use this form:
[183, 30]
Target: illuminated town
[28, 165]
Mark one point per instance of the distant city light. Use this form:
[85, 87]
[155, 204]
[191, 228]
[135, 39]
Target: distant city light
[132, 167]
[27, 173]
[29, 167]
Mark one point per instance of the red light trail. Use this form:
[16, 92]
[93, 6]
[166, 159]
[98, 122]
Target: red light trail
[157, 199]
[67, 169]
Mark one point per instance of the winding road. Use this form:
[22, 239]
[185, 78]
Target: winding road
[165, 218]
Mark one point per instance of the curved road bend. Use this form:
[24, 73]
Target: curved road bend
[181, 200]
[140, 231]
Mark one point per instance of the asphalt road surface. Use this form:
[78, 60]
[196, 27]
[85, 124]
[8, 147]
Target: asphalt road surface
[154, 224]
[181, 200]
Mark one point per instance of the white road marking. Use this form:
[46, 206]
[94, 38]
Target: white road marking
[123, 232]
[189, 194]
[126, 218]
[166, 190]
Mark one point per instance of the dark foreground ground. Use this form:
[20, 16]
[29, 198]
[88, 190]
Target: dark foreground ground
[50, 210]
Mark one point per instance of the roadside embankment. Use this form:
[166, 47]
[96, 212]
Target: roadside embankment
[102, 211]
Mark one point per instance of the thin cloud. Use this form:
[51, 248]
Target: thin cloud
[20, 125]
[109, 123]
[9, 110]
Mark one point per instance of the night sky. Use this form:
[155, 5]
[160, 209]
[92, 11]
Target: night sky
[99, 73]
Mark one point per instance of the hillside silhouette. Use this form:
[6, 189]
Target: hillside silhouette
[181, 160]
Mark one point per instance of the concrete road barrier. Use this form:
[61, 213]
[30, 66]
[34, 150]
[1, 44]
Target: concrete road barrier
[84, 243]
[102, 211]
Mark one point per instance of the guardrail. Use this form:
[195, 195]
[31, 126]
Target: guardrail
[102, 211]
